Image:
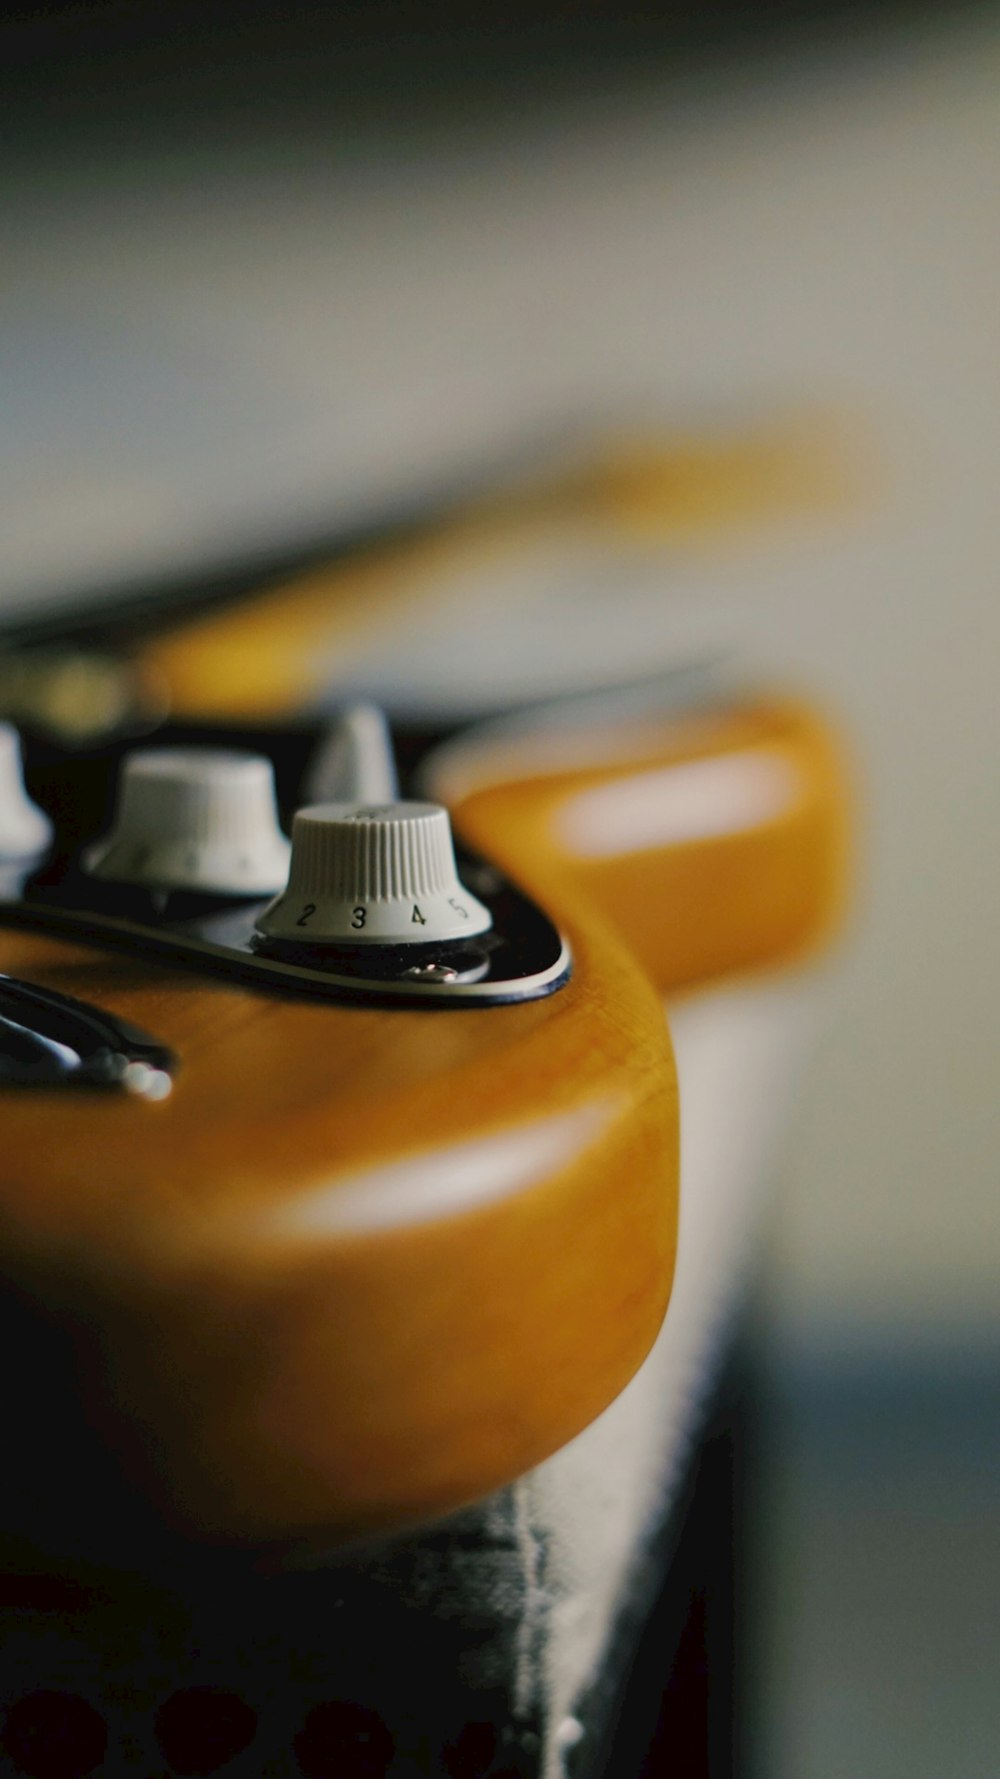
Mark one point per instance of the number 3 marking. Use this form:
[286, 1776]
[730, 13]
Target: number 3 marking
[358, 917]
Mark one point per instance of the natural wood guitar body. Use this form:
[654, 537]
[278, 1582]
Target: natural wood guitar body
[360, 1266]
[714, 839]
[364, 1265]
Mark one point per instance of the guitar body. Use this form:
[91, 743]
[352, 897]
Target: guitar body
[377, 1276]
[361, 1265]
[364, 1264]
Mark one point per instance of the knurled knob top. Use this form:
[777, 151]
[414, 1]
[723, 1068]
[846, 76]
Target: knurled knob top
[195, 818]
[381, 873]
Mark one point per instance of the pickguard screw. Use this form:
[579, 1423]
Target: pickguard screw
[431, 973]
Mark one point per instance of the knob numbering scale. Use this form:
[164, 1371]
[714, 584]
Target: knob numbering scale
[195, 818]
[373, 874]
[374, 907]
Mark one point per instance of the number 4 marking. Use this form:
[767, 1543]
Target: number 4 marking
[417, 917]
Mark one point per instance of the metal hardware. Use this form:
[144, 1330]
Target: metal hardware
[49, 1039]
[523, 958]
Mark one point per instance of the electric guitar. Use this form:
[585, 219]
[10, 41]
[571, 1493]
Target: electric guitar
[338, 1177]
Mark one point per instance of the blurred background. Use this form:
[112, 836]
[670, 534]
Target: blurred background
[277, 271]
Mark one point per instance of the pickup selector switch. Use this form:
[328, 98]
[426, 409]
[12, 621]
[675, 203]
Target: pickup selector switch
[24, 830]
[201, 819]
[373, 874]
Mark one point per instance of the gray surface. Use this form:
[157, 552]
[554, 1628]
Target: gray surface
[882, 1569]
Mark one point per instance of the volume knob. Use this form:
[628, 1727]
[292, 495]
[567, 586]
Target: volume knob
[198, 819]
[373, 874]
[24, 830]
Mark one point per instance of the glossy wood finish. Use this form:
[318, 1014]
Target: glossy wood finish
[361, 1266]
[715, 840]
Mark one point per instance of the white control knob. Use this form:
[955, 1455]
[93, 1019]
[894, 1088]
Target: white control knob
[373, 874]
[354, 762]
[24, 830]
[198, 819]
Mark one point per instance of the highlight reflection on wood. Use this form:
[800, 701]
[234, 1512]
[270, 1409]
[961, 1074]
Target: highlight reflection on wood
[365, 1265]
[360, 1266]
[715, 841]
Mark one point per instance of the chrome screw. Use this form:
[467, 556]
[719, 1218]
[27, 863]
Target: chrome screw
[431, 973]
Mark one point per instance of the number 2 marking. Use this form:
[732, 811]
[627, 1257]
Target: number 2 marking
[306, 915]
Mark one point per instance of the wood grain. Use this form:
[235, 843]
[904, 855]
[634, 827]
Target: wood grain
[718, 843]
[271, 1373]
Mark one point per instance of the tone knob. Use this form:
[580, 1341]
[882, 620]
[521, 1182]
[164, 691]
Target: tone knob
[24, 830]
[195, 818]
[373, 874]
